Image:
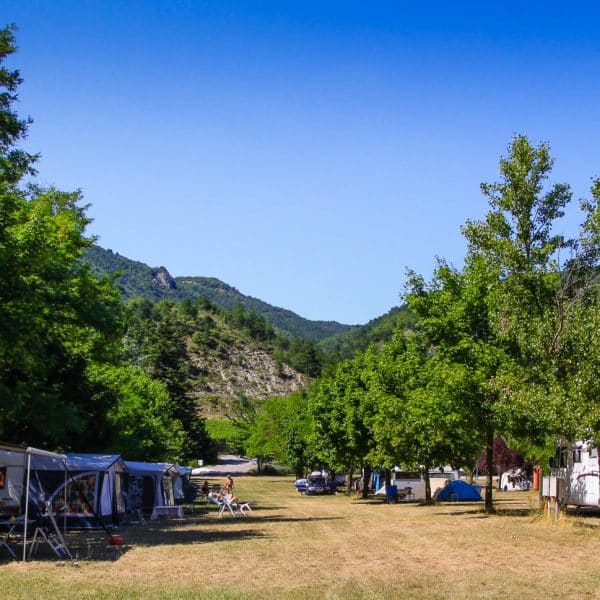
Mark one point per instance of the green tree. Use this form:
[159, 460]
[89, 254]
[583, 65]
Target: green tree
[452, 313]
[496, 317]
[422, 420]
[342, 413]
[55, 317]
[140, 423]
[15, 163]
[282, 430]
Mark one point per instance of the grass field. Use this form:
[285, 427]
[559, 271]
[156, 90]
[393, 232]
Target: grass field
[294, 546]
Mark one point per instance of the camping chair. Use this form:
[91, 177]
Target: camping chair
[9, 526]
[46, 529]
[406, 494]
[236, 509]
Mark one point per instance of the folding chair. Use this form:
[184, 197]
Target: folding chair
[47, 530]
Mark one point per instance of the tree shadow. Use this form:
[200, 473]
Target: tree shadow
[94, 545]
[199, 536]
[501, 509]
[285, 519]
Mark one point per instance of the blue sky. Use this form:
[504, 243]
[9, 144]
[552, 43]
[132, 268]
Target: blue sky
[306, 153]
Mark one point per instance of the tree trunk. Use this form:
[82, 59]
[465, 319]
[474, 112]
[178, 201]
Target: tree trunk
[489, 463]
[427, 484]
[366, 479]
[349, 483]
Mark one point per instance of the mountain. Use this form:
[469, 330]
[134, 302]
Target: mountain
[137, 279]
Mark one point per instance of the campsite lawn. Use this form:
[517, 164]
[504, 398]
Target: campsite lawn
[294, 546]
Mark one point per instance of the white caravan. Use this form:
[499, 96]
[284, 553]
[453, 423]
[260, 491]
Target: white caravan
[578, 474]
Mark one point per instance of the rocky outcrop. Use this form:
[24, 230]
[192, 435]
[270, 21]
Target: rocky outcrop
[244, 370]
[163, 279]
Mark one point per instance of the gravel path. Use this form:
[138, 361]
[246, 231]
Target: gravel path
[227, 464]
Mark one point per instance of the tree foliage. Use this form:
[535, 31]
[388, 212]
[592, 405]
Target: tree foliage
[156, 341]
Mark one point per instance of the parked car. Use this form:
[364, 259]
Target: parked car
[315, 483]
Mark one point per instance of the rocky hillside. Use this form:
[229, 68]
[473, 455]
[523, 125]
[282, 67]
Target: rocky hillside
[241, 369]
[215, 355]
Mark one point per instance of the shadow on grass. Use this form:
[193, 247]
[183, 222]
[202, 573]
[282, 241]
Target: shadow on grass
[479, 512]
[198, 536]
[584, 511]
[266, 508]
[276, 519]
[94, 545]
[83, 545]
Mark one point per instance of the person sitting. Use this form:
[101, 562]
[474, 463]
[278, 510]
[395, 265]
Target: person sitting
[205, 488]
[230, 498]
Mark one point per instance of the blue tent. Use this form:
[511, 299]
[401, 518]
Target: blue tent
[459, 491]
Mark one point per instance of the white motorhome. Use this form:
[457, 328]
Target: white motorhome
[577, 473]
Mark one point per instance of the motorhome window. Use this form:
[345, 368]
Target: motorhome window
[577, 455]
[406, 475]
[594, 453]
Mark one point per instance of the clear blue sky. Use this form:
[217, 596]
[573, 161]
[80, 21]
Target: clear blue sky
[304, 152]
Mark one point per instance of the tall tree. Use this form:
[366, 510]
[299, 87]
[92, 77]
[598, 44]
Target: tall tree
[342, 412]
[424, 418]
[452, 313]
[141, 425]
[14, 161]
[55, 318]
[496, 316]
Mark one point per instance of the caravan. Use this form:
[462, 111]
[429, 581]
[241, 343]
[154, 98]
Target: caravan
[576, 472]
[410, 485]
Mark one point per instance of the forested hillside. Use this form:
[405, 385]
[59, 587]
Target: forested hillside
[139, 280]
[217, 355]
[377, 331]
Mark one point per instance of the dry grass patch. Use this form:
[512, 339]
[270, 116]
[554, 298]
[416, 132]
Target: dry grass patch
[294, 546]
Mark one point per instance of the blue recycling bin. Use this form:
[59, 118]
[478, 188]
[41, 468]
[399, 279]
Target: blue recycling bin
[391, 494]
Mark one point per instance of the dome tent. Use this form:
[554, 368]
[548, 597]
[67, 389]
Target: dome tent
[459, 491]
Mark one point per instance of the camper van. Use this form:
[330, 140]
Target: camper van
[411, 485]
[577, 473]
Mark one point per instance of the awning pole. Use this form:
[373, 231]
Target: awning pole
[26, 508]
[65, 508]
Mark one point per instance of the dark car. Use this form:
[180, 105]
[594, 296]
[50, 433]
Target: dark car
[314, 484]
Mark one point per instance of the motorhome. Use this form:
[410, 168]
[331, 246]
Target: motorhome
[576, 472]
